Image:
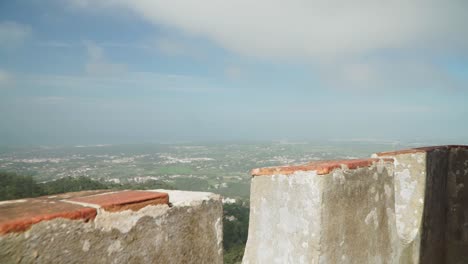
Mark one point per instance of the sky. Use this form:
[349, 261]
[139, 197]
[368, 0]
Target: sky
[133, 71]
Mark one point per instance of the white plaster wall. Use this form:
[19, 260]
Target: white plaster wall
[284, 219]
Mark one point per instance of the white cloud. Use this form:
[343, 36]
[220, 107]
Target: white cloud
[56, 44]
[377, 74]
[233, 72]
[138, 80]
[176, 46]
[330, 34]
[98, 65]
[312, 28]
[95, 52]
[49, 100]
[171, 47]
[6, 79]
[12, 33]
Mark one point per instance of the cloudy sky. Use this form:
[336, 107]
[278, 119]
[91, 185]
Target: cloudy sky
[122, 71]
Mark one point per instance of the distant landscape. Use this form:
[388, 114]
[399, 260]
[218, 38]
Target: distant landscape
[221, 168]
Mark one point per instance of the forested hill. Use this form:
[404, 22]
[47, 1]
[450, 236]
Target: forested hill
[14, 186]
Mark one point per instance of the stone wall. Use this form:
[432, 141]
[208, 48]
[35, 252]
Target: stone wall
[436, 178]
[113, 227]
[406, 206]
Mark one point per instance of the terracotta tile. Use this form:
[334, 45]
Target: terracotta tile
[124, 200]
[322, 167]
[20, 216]
[418, 150]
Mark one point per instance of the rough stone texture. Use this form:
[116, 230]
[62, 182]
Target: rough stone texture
[356, 209]
[285, 219]
[409, 190]
[305, 218]
[435, 177]
[410, 207]
[188, 232]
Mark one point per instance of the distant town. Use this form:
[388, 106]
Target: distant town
[222, 168]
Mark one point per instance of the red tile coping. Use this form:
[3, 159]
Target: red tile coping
[133, 200]
[322, 167]
[20, 215]
[418, 150]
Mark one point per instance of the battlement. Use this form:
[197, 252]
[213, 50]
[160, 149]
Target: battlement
[406, 206]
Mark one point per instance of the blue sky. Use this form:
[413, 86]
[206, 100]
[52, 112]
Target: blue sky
[121, 71]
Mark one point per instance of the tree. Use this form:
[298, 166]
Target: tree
[13, 186]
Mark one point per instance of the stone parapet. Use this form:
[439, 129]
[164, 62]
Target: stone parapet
[405, 206]
[154, 226]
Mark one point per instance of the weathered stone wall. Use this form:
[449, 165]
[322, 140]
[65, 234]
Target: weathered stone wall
[356, 208]
[433, 179]
[406, 206]
[419, 194]
[322, 213]
[187, 229]
[284, 219]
